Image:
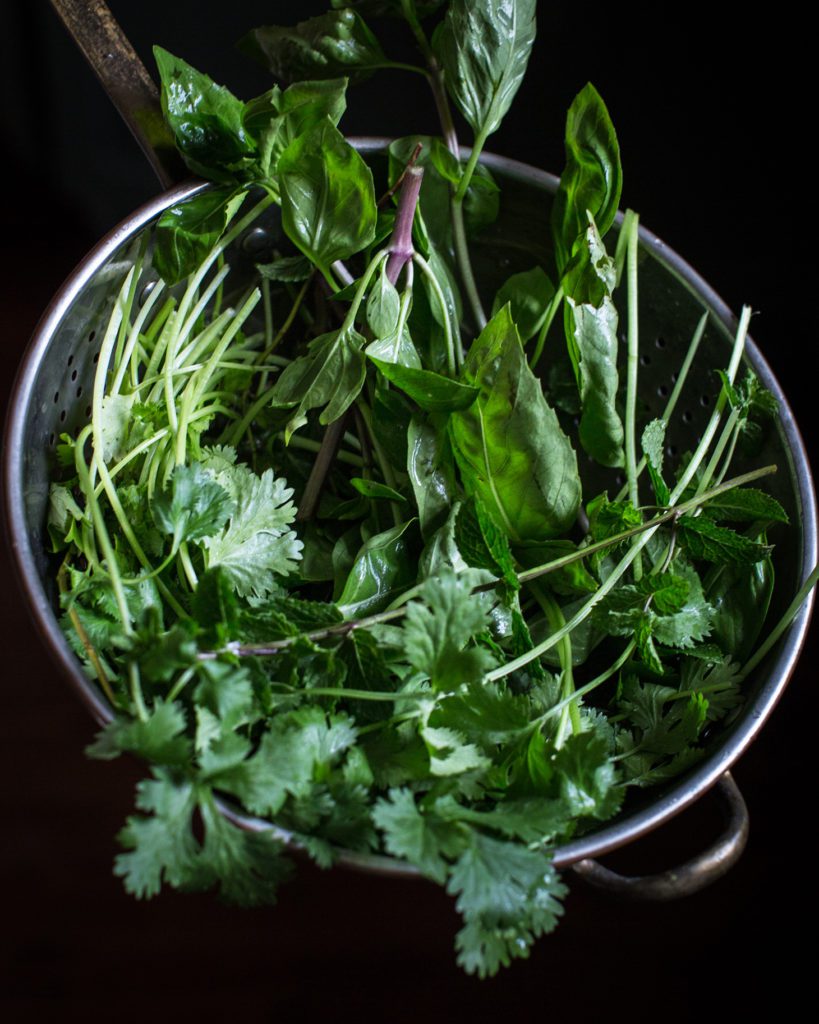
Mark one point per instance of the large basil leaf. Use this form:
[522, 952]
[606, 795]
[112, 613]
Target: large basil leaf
[333, 44]
[331, 376]
[592, 336]
[382, 569]
[483, 47]
[509, 445]
[206, 120]
[592, 178]
[186, 233]
[328, 197]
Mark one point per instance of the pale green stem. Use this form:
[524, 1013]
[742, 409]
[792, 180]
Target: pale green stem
[671, 405]
[455, 354]
[133, 337]
[631, 379]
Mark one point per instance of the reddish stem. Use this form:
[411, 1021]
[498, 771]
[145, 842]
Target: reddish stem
[400, 247]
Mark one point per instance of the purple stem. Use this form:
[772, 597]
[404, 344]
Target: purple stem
[400, 247]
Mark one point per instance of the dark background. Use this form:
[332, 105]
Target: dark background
[715, 130]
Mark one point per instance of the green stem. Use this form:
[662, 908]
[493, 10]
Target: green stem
[465, 264]
[556, 620]
[454, 353]
[633, 363]
[548, 317]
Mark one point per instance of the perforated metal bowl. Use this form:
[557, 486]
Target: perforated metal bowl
[52, 397]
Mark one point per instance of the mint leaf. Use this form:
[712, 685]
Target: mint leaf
[704, 539]
[745, 505]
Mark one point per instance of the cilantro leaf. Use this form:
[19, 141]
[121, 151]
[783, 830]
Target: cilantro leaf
[160, 738]
[436, 633]
[193, 507]
[418, 837]
[257, 544]
[508, 896]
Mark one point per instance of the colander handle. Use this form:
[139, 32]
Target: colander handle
[690, 877]
[125, 79]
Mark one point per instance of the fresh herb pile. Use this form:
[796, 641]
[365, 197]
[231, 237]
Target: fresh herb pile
[324, 543]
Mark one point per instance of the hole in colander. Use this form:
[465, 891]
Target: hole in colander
[662, 391]
[672, 450]
[619, 479]
[645, 360]
[56, 397]
[687, 416]
[705, 401]
[659, 342]
[51, 440]
[70, 359]
[92, 335]
[62, 416]
[73, 374]
[79, 391]
[96, 358]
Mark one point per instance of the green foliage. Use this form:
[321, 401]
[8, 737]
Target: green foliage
[509, 445]
[333, 44]
[483, 49]
[375, 677]
[328, 199]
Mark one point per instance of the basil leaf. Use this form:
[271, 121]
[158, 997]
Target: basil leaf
[509, 445]
[328, 198]
[483, 47]
[382, 569]
[330, 376]
[592, 179]
[276, 118]
[206, 120]
[395, 348]
[591, 321]
[372, 489]
[741, 596]
[529, 294]
[430, 390]
[383, 306]
[431, 471]
[186, 233]
[333, 44]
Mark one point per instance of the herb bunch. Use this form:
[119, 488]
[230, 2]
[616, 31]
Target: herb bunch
[325, 545]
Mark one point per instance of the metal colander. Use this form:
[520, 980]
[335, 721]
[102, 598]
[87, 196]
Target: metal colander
[52, 397]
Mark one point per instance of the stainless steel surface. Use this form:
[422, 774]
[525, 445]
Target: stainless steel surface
[685, 879]
[50, 398]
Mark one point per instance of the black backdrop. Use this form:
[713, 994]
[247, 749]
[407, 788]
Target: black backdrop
[715, 125]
